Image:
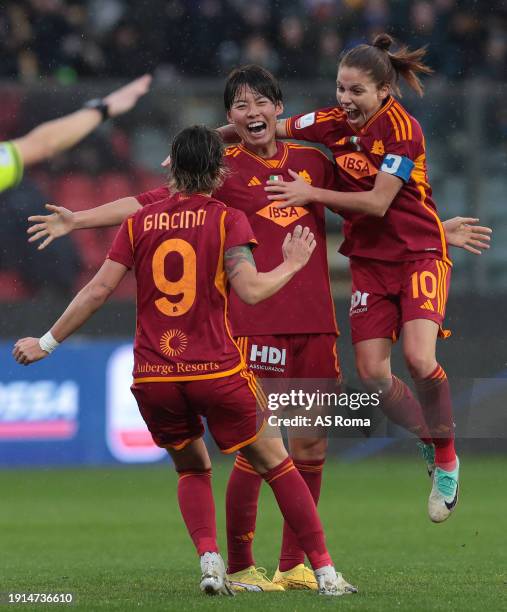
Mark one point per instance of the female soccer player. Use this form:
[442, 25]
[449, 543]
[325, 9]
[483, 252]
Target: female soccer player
[395, 240]
[186, 363]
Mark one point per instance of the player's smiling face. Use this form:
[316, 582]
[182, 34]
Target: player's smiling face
[254, 116]
[358, 95]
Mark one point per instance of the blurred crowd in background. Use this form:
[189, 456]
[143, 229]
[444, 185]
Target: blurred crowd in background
[55, 54]
[293, 38]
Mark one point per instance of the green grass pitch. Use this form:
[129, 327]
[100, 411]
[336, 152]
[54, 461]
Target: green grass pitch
[114, 537]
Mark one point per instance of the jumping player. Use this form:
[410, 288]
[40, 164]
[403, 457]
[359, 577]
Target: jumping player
[250, 165]
[186, 363]
[396, 242]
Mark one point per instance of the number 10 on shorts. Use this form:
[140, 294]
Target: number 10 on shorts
[425, 283]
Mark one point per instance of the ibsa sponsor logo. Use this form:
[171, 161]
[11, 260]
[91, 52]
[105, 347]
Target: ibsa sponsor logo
[282, 216]
[39, 410]
[127, 436]
[357, 165]
[267, 358]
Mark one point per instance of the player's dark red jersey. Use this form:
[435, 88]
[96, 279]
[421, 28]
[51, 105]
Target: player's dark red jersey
[391, 141]
[304, 305]
[176, 247]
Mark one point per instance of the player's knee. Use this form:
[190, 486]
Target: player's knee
[190, 465]
[190, 458]
[371, 372]
[419, 365]
[308, 449]
[265, 454]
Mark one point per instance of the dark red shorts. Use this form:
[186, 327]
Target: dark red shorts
[291, 356]
[233, 407]
[385, 295]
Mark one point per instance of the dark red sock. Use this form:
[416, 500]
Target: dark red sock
[241, 513]
[197, 506]
[401, 407]
[434, 394]
[299, 510]
[291, 553]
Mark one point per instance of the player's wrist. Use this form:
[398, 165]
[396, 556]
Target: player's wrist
[48, 343]
[100, 105]
[292, 266]
[319, 196]
[78, 220]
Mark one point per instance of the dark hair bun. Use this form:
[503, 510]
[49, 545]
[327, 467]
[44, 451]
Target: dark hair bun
[383, 41]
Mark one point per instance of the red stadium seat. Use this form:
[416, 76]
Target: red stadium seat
[113, 186]
[74, 191]
[9, 117]
[146, 181]
[92, 247]
[12, 288]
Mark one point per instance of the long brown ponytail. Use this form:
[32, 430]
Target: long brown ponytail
[384, 67]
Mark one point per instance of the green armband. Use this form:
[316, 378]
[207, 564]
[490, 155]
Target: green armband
[11, 166]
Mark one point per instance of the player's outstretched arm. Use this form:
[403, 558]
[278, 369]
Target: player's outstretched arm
[464, 233]
[52, 137]
[62, 221]
[299, 193]
[86, 302]
[253, 286]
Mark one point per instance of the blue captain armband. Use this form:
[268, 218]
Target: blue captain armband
[397, 165]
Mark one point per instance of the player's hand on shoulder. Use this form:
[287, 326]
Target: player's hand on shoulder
[49, 227]
[464, 232]
[298, 246]
[290, 193]
[27, 351]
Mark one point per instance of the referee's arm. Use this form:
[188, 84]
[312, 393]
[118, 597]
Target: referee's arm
[52, 137]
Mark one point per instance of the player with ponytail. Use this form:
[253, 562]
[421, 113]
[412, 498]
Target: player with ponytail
[395, 241]
[385, 66]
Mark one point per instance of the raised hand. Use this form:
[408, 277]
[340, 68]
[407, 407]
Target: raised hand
[125, 98]
[298, 246]
[49, 227]
[293, 193]
[464, 233]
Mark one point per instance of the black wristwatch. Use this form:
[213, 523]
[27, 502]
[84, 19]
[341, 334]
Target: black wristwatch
[100, 105]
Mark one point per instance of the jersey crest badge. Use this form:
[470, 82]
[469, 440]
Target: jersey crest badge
[378, 148]
[305, 176]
